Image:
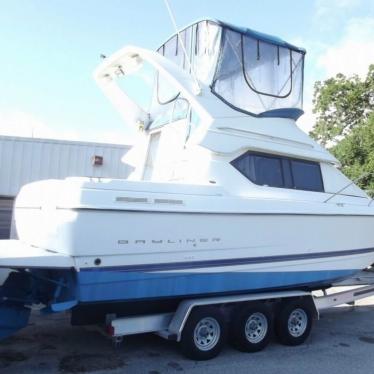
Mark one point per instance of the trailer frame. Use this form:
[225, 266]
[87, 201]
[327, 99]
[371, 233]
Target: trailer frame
[170, 326]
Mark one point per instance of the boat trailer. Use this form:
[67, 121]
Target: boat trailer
[200, 324]
[303, 307]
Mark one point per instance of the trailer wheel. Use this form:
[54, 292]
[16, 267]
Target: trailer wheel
[204, 334]
[294, 322]
[251, 328]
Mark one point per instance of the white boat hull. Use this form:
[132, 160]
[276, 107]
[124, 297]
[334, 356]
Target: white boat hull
[147, 240]
[136, 254]
[145, 237]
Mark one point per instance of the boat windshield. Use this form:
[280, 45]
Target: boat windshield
[154, 95]
[250, 71]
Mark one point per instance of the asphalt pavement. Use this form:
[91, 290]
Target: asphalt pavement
[342, 341]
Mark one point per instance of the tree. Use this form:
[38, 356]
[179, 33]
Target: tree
[345, 121]
[341, 104]
[356, 154]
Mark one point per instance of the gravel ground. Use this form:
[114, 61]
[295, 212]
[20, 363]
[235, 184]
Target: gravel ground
[342, 341]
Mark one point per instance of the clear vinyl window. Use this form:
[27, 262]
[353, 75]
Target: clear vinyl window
[255, 76]
[249, 71]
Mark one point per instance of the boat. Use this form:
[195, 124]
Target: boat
[227, 195]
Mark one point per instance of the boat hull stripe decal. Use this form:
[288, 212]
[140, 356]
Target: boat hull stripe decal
[111, 210]
[231, 261]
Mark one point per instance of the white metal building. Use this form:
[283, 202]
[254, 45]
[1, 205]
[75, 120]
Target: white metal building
[24, 160]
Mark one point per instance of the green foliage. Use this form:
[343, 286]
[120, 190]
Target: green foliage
[345, 119]
[341, 104]
[356, 154]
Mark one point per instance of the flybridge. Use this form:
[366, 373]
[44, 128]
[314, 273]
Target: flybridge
[223, 68]
[251, 72]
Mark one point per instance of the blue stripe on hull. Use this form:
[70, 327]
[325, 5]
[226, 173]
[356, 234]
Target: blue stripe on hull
[109, 285]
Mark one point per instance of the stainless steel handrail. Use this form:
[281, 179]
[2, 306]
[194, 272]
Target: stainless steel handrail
[348, 185]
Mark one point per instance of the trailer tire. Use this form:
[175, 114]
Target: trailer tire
[294, 322]
[204, 334]
[251, 327]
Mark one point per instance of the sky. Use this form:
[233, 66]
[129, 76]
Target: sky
[50, 48]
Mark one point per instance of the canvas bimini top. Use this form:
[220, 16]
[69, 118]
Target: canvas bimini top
[252, 72]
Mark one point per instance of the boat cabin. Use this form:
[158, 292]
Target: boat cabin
[219, 103]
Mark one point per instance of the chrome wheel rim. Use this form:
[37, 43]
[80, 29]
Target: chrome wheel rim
[256, 327]
[297, 322]
[207, 333]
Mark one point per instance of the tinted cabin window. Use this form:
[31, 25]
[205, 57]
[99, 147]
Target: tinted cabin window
[277, 171]
[306, 175]
[268, 171]
[287, 174]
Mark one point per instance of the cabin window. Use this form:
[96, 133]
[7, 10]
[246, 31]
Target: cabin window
[281, 172]
[268, 171]
[306, 175]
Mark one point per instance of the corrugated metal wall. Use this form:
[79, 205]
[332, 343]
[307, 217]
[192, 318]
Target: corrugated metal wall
[6, 205]
[24, 160]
